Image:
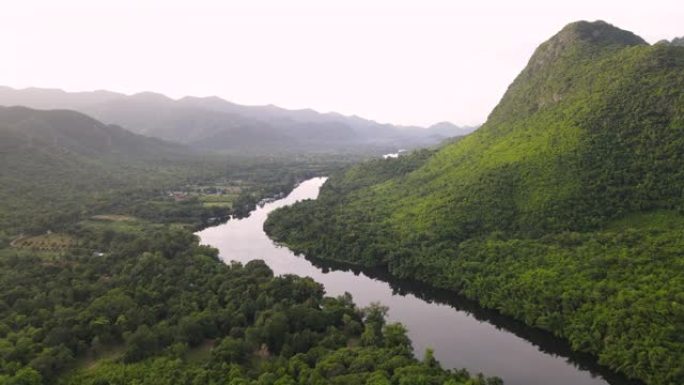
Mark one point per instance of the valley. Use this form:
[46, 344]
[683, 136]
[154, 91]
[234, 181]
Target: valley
[151, 239]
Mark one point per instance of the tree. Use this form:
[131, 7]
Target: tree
[142, 343]
[395, 338]
[51, 361]
[230, 350]
[375, 320]
[429, 359]
[26, 376]
[379, 377]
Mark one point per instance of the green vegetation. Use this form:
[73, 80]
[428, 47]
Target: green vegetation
[564, 210]
[46, 242]
[103, 282]
[59, 167]
[157, 308]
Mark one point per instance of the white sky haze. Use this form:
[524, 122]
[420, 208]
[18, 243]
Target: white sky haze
[404, 62]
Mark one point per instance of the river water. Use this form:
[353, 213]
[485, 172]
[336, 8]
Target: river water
[462, 334]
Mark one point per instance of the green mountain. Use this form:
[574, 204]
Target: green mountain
[677, 41]
[215, 124]
[25, 130]
[55, 163]
[563, 210]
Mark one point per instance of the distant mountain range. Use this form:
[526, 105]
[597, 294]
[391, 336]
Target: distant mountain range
[212, 123]
[26, 130]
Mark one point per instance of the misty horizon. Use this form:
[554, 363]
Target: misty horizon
[412, 63]
[185, 97]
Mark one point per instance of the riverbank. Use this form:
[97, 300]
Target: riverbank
[462, 334]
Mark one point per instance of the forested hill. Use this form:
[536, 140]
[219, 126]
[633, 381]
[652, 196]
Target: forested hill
[56, 163]
[215, 124]
[564, 209]
[69, 132]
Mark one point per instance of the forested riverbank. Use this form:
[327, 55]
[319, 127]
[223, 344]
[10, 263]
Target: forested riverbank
[108, 284]
[160, 309]
[564, 210]
[461, 332]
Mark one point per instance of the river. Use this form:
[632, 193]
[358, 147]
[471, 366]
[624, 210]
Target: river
[462, 334]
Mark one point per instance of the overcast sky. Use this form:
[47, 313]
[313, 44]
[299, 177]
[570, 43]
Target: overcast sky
[406, 62]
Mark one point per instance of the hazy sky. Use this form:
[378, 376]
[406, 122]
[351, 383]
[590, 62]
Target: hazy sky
[408, 62]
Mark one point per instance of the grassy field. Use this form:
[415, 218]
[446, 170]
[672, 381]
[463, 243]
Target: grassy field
[46, 242]
[114, 218]
[120, 226]
[216, 200]
[218, 194]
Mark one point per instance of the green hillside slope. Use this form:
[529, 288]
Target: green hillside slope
[563, 209]
[56, 163]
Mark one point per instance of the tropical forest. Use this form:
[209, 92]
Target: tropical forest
[161, 238]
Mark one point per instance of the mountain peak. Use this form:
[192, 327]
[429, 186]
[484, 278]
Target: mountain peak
[678, 41]
[585, 36]
[151, 97]
[581, 38]
[597, 32]
[443, 124]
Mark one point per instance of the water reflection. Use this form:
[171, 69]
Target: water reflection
[545, 341]
[462, 334]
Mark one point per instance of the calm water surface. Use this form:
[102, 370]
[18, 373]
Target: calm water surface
[462, 334]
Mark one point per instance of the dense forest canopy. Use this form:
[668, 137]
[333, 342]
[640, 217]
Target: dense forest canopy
[103, 282]
[159, 309]
[564, 209]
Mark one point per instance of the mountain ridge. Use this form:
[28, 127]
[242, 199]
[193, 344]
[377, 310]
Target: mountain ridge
[73, 131]
[217, 124]
[74, 159]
